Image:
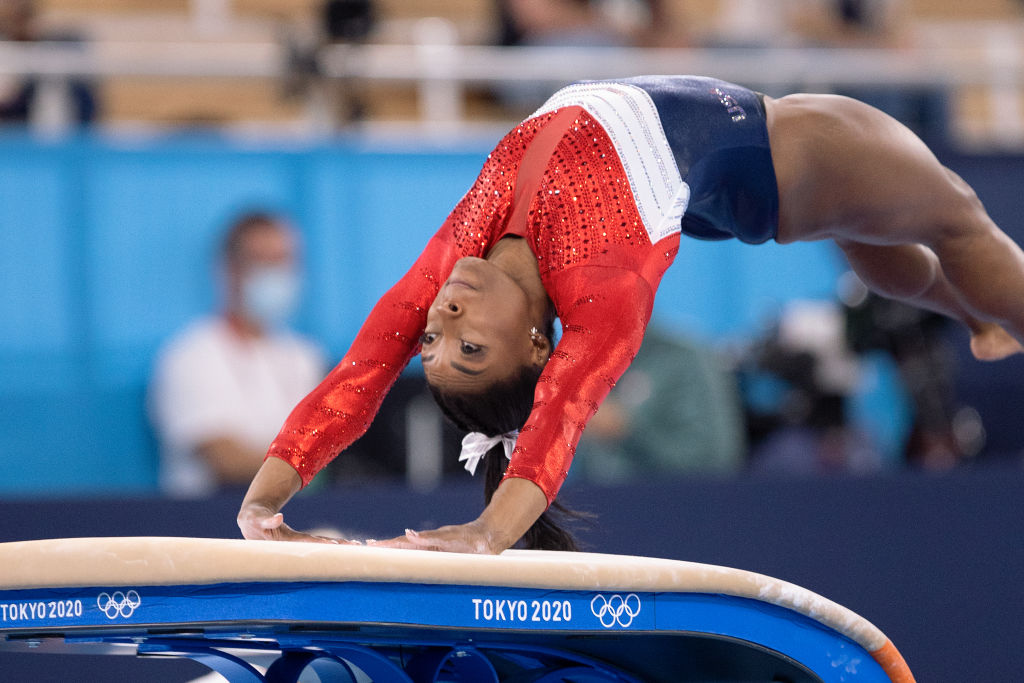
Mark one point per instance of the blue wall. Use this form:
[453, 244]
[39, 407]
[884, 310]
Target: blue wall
[108, 248]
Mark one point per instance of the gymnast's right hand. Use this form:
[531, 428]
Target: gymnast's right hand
[260, 518]
[260, 523]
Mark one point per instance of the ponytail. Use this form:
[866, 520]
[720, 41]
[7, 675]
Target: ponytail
[549, 531]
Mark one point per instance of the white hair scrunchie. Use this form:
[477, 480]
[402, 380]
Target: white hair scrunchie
[475, 446]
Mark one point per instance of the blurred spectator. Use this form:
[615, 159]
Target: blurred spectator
[348, 21]
[223, 387]
[550, 23]
[851, 23]
[943, 432]
[41, 102]
[675, 410]
[594, 23]
[875, 24]
[556, 23]
[797, 384]
[344, 22]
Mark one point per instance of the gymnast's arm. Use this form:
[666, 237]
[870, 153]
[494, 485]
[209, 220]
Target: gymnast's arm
[342, 407]
[260, 517]
[340, 410]
[604, 313]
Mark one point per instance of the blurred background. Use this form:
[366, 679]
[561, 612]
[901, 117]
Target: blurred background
[779, 418]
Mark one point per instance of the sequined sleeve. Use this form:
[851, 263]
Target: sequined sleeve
[341, 409]
[603, 324]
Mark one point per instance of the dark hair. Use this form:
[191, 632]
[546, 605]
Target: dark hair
[242, 227]
[501, 408]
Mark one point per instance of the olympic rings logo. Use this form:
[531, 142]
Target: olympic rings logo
[615, 609]
[119, 603]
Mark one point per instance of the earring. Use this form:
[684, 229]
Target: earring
[534, 332]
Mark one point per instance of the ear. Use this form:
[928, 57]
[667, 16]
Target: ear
[540, 350]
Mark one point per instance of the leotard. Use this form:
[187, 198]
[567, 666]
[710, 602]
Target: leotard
[600, 181]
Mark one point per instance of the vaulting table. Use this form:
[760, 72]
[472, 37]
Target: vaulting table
[265, 611]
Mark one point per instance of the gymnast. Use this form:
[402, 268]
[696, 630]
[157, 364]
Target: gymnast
[576, 214]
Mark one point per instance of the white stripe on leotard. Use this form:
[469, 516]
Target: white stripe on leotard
[631, 120]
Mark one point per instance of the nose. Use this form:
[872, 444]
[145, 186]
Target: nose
[450, 308]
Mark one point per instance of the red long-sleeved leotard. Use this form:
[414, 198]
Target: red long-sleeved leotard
[564, 181]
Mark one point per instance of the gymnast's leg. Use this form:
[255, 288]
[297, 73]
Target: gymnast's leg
[913, 230]
[911, 273]
[986, 268]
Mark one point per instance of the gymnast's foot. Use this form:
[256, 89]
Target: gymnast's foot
[992, 342]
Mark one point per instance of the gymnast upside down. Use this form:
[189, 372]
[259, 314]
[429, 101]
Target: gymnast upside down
[577, 213]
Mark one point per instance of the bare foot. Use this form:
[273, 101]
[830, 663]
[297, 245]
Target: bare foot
[992, 342]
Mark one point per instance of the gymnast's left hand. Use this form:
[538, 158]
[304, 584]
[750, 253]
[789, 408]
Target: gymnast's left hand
[458, 538]
[515, 506]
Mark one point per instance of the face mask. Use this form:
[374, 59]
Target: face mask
[270, 295]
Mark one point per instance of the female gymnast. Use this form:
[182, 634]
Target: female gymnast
[577, 213]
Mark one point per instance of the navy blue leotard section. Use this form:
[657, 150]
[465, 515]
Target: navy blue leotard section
[719, 136]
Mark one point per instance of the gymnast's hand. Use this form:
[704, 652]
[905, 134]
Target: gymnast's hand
[259, 523]
[260, 518]
[515, 506]
[459, 538]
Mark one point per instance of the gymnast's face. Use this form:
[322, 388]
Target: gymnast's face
[478, 328]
